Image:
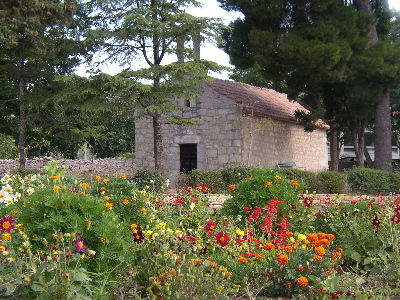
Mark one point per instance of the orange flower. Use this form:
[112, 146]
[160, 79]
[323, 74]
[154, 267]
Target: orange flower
[289, 285]
[232, 187]
[54, 177]
[336, 255]
[123, 177]
[103, 239]
[287, 249]
[340, 250]
[15, 212]
[278, 177]
[324, 242]
[84, 184]
[247, 178]
[321, 235]
[289, 234]
[354, 201]
[109, 205]
[312, 237]
[143, 211]
[328, 271]
[268, 183]
[125, 201]
[302, 281]
[300, 269]
[242, 259]
[269, 246]
[320, 251]
[283, 259]
[88, 222]
[214, 265]
[96, 177]
[330, 237]
[106, 198]
[318, 258]
[105, 181]
[259, 256]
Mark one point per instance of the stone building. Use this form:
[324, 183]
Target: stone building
[241, 125]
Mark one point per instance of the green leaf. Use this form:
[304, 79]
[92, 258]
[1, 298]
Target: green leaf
[37, 287]
[356, 256]
[359, 280]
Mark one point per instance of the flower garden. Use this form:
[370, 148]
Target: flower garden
[105, 238]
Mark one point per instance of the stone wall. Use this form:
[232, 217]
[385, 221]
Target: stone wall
[267, 142]
[101, 166]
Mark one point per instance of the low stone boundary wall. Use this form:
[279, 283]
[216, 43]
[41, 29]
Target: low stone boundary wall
[318, 199]
[105, 165]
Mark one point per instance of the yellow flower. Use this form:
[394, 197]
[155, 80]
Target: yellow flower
[56, 189]
[239, 232]
[6, 237]
[133, 226]
[278, 177]
[109, 205]
[301, 237]
[161, 225]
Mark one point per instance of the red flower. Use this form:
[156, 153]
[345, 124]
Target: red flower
[376, 222]
[138, 236]
[307, 201]
[395, 219]
[210, 226]
[223, 238]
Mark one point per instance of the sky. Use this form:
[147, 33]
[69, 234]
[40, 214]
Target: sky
[210, 9]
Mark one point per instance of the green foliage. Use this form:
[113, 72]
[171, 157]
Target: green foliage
[331, 182]
[150, 180]
[234, 174]
[212, 179]
[8, 149]
[370, 181]
[307, 178]
[258, 190]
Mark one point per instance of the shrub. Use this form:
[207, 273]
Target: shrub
[369, 181]
[232, 175]
[309, 179]
[150, 180]
[210, 178]
[331, 182]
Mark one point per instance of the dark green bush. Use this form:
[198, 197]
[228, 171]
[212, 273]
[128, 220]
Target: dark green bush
[233, 174]
[151, 180]
[395, 183]
[369, 181]
[331, 182]
[210, 178]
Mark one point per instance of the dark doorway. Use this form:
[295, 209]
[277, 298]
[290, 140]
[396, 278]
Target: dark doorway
[188, 157]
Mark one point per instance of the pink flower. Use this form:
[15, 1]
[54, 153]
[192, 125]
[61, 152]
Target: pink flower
[6, 224]
[395, 219]
[223, 238]
[80, 247]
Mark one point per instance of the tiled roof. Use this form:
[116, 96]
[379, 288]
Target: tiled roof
[258, 101]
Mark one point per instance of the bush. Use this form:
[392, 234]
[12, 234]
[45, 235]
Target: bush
[150, 180]
[331, 182]
[232, 175]
[210, 178]
[369, 181]
[309, 179]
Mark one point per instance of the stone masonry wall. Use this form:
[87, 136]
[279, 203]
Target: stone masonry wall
[267, 142]
[102, 166]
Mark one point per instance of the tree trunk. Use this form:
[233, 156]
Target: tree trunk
[383, 122]
[358, 138]
[383, 133]
[22, 124]
[334, 149]
[158, 146]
